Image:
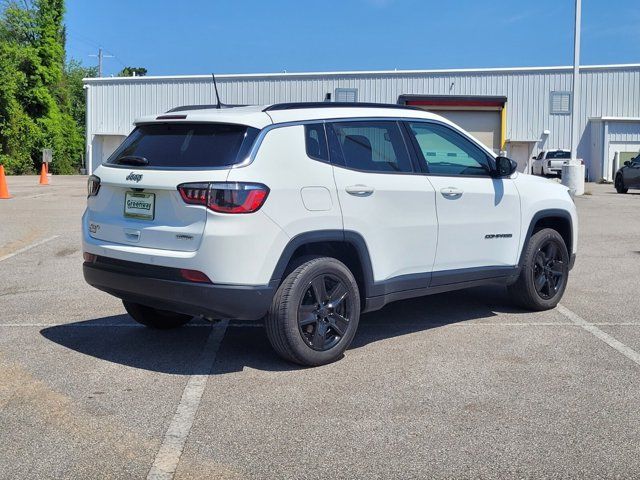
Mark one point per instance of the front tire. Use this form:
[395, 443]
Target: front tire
[155, 318]
[544, 273]
[619, 184]
[315, 313]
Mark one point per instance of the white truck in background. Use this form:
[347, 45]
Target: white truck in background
[549, 162]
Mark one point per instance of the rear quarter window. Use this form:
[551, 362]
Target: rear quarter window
[185, 145]
[316, 142]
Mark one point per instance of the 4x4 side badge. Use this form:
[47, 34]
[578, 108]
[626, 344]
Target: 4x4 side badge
[134, 177]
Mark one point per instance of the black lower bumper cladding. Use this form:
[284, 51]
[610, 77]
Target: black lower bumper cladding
[165, 289]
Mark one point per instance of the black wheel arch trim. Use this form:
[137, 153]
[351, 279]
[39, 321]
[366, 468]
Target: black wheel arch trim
[541, 215]
[354, 239]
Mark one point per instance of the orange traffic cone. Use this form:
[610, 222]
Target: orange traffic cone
[4, 190]
[44, 180]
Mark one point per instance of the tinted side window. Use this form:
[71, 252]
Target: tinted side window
[372, 146]
[446, 152]
[316, 142]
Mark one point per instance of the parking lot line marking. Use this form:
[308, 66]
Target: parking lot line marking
[259, 325]
[605, 337]
[37, 195]
[28, 247]
[168, 456]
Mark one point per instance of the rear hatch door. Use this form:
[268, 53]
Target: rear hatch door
[138, 202]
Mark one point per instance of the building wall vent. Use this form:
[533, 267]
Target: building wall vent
[346, 95]
[561, 103]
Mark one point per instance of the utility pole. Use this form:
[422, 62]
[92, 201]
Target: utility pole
[576, 83]
[100, 56]
[573, 170]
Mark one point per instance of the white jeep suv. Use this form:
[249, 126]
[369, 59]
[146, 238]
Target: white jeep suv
[310, 214]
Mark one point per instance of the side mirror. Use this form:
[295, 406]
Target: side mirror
[505, 167]
[627, 163]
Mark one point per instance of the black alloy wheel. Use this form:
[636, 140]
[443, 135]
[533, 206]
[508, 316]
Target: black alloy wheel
[324, 313]
[548, 270]
[544, 272]
[315, 311]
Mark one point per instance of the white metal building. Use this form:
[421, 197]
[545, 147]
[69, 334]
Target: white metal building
[517, 110]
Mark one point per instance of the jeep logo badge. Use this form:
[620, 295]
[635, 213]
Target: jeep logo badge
[134, 177]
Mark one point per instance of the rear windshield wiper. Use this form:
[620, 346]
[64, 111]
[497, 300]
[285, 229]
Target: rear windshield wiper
[132, 160]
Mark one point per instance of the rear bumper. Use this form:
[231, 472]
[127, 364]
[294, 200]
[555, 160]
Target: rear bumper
[133, 284]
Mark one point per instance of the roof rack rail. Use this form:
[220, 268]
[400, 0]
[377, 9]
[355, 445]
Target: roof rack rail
[299, 105]
[184, 108]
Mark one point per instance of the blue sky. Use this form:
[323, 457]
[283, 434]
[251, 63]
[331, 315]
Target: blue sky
[244, 36]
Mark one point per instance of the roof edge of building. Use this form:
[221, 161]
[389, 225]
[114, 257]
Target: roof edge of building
[357, 73]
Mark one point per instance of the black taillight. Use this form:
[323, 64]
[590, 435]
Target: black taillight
[225, 197]
[194, 193]
[93, 186]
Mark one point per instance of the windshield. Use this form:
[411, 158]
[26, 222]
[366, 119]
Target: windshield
[185, 145]
[559, 154]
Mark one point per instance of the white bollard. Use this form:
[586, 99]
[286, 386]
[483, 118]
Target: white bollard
[573, 176]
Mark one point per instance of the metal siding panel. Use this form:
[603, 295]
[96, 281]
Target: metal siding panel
[613, 92]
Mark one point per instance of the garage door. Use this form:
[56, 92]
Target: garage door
[482, 124]
[102, 147]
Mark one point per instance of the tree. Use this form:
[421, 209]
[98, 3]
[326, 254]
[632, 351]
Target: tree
[132, 72]
[36, 100]
[74, 72]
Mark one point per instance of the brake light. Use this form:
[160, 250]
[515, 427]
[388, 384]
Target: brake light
[225, 197]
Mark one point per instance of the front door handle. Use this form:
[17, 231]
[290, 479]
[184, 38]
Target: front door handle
[359, 190]
[451, 192]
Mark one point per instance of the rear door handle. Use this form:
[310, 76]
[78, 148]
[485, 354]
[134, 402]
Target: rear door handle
[359, 190]
[451, 192]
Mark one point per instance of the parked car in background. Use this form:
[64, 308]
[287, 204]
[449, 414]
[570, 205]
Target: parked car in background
[549, 162]
[628, 176]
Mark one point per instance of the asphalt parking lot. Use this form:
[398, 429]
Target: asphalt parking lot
[459, 385]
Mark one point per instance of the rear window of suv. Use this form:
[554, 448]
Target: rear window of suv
[558, 154]
[185, 145]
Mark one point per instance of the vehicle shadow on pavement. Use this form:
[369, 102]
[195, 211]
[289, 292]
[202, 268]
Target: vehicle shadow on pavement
[120, 340]
[418, 314]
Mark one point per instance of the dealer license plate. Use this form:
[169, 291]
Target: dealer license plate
[139, 205]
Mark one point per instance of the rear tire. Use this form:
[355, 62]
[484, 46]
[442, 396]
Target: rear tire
[544, 273]
[315, 312]
[155, 318]
[619, 184]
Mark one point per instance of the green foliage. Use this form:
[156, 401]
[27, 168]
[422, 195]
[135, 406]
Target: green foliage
[130, 71]
[41, 101]
[73, 74]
